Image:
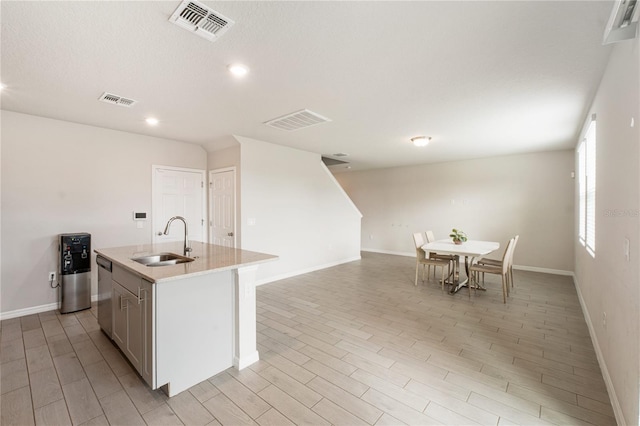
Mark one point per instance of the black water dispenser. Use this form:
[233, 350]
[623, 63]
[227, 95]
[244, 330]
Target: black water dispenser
[75, 272]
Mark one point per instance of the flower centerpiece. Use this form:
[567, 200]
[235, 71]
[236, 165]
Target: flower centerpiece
[458, 236]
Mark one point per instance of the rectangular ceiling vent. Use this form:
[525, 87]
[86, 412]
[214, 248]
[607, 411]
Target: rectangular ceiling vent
[201, 20]
[297, 120]
[112, 99]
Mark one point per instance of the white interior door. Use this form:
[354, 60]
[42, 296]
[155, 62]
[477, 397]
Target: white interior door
[222, 194]
[178, 192]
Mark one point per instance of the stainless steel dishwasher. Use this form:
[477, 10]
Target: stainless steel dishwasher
[104, 295]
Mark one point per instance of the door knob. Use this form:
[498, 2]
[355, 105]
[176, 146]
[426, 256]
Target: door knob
[230, 234]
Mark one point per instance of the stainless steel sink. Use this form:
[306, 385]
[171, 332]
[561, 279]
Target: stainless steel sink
[162, 259]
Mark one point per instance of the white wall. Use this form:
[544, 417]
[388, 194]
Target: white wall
[226, 157]
[608, 283]
[62, 177]
[490, 199]
[301, 213]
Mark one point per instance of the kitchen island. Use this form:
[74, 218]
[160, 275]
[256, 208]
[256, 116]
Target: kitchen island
[180, 324]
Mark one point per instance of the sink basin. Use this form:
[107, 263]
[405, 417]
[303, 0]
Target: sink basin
[162, 259]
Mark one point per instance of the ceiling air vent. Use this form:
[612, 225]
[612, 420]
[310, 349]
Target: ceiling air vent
[297, 120]
[112, 99]
[199, 19]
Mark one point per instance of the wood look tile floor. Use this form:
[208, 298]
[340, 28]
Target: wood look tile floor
[355, 344]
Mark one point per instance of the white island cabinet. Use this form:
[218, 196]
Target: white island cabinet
[181, 324]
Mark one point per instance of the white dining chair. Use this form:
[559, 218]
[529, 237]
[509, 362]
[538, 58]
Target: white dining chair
[503, 270]
[498, 262]
[422, 259]
[448, 257]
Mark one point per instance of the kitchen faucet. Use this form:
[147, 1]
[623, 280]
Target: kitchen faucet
[187, 249]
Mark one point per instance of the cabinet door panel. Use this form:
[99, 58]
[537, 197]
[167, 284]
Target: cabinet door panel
[134, 333]
[127, 325]
[133, 321]
[119, 300]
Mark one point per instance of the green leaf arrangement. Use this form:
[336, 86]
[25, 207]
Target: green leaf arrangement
[458, 236]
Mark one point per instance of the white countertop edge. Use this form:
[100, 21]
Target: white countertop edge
[123, 258]
[210, 271]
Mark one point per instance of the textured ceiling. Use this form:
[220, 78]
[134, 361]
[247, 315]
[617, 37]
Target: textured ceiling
[480, 78]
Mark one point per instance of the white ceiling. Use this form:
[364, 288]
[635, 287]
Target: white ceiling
[480, 78]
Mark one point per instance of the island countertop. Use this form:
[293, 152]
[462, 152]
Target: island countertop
[208, 258]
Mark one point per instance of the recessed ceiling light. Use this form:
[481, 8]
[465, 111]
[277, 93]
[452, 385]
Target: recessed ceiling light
[238, 70]
[421, 140]
[152, 121]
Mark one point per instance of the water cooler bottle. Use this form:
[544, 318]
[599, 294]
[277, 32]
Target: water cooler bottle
[75, 272]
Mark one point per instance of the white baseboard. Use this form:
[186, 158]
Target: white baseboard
[36, 309]
[30, 311]
[615, 404]
[396, 253]
[305, 271]
[243, 363]
[544, 270]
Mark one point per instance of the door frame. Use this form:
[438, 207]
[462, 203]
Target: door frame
[235, 202]
[154, 221]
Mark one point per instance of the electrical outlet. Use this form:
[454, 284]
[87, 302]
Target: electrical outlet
[52, 276]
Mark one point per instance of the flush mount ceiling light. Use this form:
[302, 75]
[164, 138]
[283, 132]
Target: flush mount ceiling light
[238, 70]
[421, 140]
[152, 121]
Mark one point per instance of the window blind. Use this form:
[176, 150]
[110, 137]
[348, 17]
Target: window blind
[581, 194]
[590, 171]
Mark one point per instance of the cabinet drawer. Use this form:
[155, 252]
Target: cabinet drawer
[127, 279]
